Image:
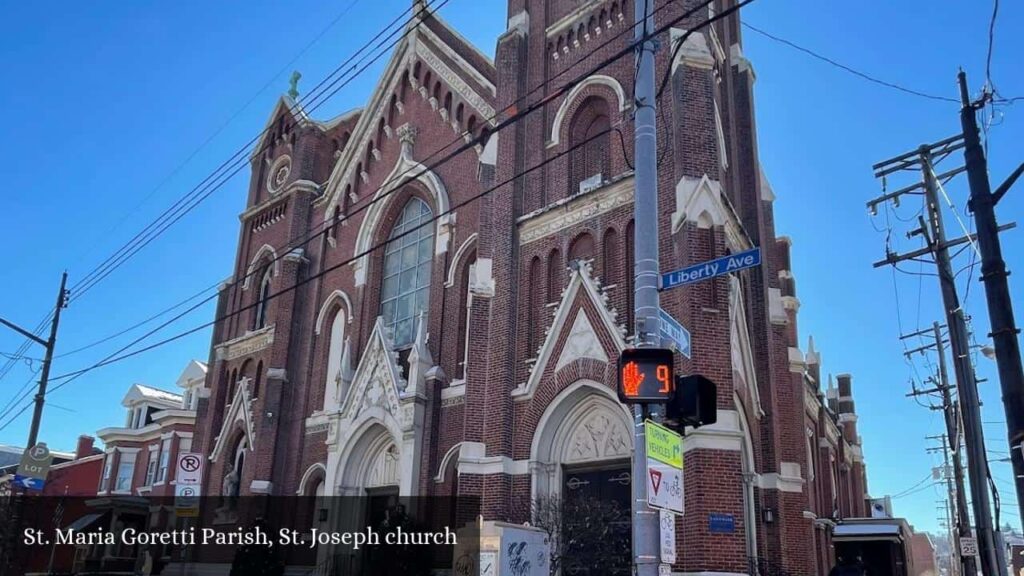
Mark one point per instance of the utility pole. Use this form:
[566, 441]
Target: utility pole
[997, 291]
[937, 245]
[646, 542]
[951, 412]
[49, 345]
[945, 507]
[956, 498]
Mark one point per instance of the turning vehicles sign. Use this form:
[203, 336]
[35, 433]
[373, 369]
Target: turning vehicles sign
[664, 467]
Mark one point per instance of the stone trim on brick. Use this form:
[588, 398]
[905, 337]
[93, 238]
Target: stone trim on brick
[579, 281]
[563, 108]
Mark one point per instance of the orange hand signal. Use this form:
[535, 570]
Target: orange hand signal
[631, 379]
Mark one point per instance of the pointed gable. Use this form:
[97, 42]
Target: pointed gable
[240, 411]
[378, 379]
[583, 316]
[433, 44]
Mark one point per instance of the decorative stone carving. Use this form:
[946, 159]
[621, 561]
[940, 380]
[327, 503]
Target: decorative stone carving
[574, 210]
[600, 436]
[384, 470]
[407, 134]
[453, 80]
[247, 344]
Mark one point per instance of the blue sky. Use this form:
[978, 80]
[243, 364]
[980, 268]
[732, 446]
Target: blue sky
[106, 102]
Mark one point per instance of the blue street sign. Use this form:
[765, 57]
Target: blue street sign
[711, 268]
[721, 523]
[28, 482]
[674, 332]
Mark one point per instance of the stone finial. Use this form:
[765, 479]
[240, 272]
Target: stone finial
[407, 137]
[419, 8]
[420, 352]
[293, 85]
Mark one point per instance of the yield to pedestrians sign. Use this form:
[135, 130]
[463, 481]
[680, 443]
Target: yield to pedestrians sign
[664, 486]
[34, 466]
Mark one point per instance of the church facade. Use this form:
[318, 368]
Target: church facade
[398, 324]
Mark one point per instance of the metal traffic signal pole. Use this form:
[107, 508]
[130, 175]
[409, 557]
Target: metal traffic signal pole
[997, 291]
[646, 543]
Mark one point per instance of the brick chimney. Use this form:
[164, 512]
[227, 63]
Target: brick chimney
[84, 447]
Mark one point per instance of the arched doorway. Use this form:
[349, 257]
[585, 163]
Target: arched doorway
[368, 477]
[580, 462]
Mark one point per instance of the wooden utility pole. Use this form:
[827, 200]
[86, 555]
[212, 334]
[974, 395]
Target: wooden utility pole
[997, 290]
[932, 230]
[48, 344]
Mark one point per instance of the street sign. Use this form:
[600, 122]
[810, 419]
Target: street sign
[186, 500]
[667, 523]
[968, 546]
[721, 523]
[34, 467]
[664, 570]
[663, 444]
[674, 334]
[711, 268]
[29, 483]
[190, 468]
[664, 486]
[646, 375]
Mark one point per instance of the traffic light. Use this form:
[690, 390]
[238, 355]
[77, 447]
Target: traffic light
[646, 375]
[694, 403]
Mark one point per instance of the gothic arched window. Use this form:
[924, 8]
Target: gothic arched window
[590, 143]
[405, 286]
[260, 316]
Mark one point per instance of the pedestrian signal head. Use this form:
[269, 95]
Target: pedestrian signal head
[646, 375]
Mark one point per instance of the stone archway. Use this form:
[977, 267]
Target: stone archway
[372, 461]
[584, 426]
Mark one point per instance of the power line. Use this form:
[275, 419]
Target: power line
[72, 376]
[399, 177]
[853, 71]
[91, 278]
[991, 45]
[348, 8]
[217, 178]
[514, 118]
[137, 324]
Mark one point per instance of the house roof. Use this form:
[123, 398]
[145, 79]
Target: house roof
[194, 370]
[140, 392]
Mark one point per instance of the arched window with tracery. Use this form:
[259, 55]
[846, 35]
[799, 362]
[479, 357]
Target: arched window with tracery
[405, 284]
[263, 298]
[590, 143]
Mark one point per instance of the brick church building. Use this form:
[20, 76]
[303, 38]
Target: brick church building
[438, 344]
